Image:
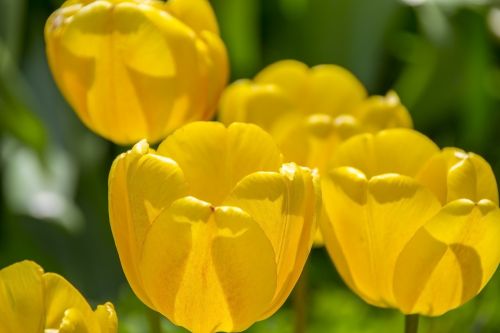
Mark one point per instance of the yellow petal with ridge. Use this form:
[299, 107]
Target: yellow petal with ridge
[21, 298]
[106, 317]
[61, 296]
[333, 90]
[370, 222]
[450, 259]
[198, 14]
[285, 205]
[214, 158]
[202, 267]
[401, 151]
[137, 194]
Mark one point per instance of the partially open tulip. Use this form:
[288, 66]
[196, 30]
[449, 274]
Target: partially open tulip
[32, 301]
[310, 111]
[212, 229]
[134, 69]
[411, 227]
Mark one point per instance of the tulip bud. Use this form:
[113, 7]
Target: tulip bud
[411, 227]
[134, 69]
[32, 301]
[212, 230]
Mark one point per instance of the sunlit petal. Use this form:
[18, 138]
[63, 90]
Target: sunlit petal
[370, 223]
[208, 252]
[21, 298]
[454, 255]
[284, 205]
[386, 152]
[214, 158]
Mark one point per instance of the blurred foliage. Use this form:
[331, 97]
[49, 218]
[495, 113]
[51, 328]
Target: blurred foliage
[441, 56]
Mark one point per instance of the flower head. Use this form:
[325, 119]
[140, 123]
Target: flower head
[310, 111]
[32, 301]
[212, 229]
[411, 226]
[134, 69]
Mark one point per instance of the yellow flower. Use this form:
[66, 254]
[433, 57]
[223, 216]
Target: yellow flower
[212, 229]
[32, 301]
[410, 226]
[310, 111]
[134, 69]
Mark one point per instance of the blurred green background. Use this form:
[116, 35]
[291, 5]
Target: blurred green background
[441, 56]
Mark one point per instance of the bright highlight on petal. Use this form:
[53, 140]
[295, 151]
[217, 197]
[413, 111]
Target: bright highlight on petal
[212, 230]
[410, 226]
[32, 301]
[137, 69]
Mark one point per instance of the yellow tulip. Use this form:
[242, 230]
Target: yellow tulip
[32, 301]
[411, 227]
[212, 229]
[310, 111]
[134, 69]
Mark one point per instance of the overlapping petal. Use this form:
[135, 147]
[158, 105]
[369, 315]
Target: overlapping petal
[401, 151]
[21, 298]
[137, 194]
[59, 296]
[454, 255]
[284, 205]
[377, 113]
[215, 254]
[214, 158]
[371, 222]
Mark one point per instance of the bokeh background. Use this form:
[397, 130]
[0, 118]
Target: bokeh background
[441, 56]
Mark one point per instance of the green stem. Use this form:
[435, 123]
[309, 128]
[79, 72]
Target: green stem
[154, 321]
[411, 323]
[300, 300]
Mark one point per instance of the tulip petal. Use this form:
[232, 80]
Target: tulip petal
[214, 158]
[289, 75]
[216, 61]
[136, 196]
[454, 174]
[383, 112]
[74, 322]
[386, 152]
[106, 316]
[284, 205]
[370, 223]
[472, 178]
[154, 182]
[293, 139]
[450, 259]
[334, 90]
[60, 296]
[263, 105]
[232, 102]
[434, 173]
[198, 14]
[21, 296]
[202, 266]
